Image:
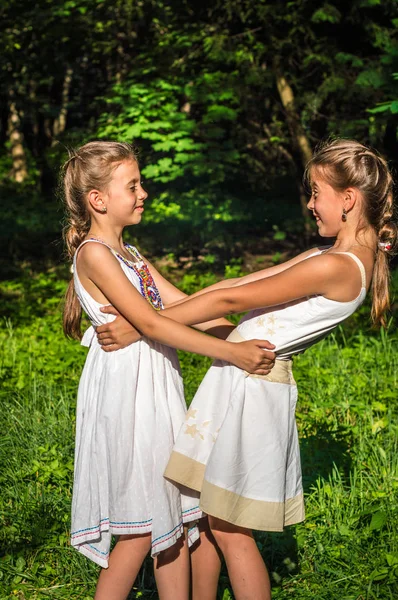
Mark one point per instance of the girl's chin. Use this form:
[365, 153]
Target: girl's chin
[323, 232]
[136, 219]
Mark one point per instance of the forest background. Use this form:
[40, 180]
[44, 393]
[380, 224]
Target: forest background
[225, 100]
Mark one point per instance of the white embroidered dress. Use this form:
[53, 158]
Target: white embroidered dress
[130, 408]
[239, 446]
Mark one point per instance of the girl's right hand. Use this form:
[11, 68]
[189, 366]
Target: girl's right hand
[253, 357]
[116, 334]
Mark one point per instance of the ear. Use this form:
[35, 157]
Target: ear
[351, 196]
[95, 199]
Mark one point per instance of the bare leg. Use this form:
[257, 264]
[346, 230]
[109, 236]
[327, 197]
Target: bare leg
[246, 569]
[205, 564]
[125, 561]
[172, 572]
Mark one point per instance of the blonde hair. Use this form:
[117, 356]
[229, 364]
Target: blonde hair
[89, 167]
[347, 163]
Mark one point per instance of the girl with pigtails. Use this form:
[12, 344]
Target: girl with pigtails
[238, 447]
[130, 403]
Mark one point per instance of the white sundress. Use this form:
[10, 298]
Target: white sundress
[130, 408]
[239, 445]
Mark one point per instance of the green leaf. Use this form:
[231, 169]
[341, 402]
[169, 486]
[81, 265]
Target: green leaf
[384, 107]
[379, 424]
[392, 559]
[20, 563]
[346, 58]
[379, 574]
[370, 78]
[327, 13]
[344, 530]
[378, 521]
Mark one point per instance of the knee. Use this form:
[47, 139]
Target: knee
[227, 534]
[171, 554]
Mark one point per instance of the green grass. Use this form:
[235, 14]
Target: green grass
[347, 549]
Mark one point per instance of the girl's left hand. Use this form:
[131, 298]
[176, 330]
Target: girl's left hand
[252, 356]
[118, 333]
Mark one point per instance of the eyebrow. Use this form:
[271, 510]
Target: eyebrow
[135, 180]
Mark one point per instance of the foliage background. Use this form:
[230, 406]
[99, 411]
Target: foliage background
[224, 100]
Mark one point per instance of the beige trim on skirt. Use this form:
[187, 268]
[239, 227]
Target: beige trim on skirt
[239, 447]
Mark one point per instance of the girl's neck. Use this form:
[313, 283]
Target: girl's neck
[109, 236]
[350, 240]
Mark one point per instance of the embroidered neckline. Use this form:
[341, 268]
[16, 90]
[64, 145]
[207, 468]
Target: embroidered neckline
[147, 284]
[148, 287]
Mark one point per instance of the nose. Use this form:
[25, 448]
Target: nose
[143, 194]
[310, 203]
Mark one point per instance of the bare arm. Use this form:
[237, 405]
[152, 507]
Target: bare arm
[275, 270]
[120, 333]
[329, 275]
[170, 294]
[99, 270]
[238, 281]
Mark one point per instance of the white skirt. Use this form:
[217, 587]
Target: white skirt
[239, 447]
[130, 408]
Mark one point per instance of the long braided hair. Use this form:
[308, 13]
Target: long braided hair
[89, 167]
[347, 163]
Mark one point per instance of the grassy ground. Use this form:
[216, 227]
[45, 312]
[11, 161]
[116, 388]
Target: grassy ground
[347, 549]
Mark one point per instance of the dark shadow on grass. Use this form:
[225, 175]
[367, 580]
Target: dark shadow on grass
[321, 450]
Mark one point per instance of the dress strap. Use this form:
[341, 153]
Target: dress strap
[131, 249]
[359, 263]
[98, 242]
[134, 252]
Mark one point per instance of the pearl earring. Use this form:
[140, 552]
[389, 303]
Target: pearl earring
[103, 209]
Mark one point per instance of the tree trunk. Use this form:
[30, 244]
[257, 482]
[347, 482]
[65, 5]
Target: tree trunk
[19, 166]
[299, 138]
[60, 121]
[296, 129]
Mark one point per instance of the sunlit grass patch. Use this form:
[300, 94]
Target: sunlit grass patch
[347, 417]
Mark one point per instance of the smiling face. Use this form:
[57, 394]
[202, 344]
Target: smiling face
[326, 205]
[124, 198]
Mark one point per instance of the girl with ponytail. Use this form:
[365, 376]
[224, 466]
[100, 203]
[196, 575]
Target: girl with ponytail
[130, 403]
[238, 447]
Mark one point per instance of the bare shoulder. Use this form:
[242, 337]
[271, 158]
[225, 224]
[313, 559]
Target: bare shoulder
[329, 269]
[92, 250]
[94, 254]
[338, 275]
[331, 262]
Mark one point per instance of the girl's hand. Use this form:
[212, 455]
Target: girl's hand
[251, 356]
[118, 333]
[100, 272]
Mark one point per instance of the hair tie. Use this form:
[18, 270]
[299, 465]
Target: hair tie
[71, 158]
[385, 246]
